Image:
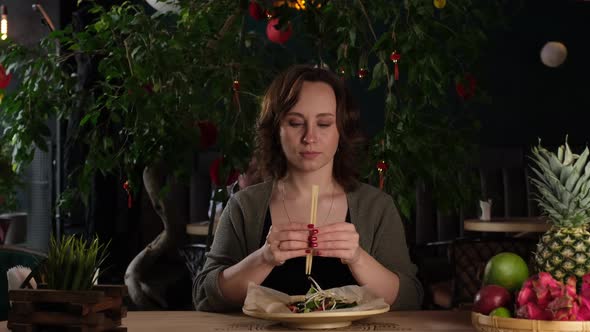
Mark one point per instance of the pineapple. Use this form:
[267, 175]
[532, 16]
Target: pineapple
[563, 181]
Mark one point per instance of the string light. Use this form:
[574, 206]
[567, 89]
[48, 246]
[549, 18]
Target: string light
[4, 23]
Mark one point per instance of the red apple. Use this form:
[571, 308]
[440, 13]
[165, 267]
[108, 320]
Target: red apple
[491, 297]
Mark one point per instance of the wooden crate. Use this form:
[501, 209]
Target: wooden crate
[96, 310]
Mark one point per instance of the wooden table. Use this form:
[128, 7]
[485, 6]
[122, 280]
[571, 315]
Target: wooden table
[191, 321]
[198, 229]
[201, 228]
[507, 225]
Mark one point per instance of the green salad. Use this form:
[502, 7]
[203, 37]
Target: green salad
[318, 299]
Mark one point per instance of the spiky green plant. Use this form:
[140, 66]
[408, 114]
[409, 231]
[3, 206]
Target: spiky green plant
[73, 263]
[563, 182]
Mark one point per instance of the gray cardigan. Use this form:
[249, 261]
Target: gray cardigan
[240, 229]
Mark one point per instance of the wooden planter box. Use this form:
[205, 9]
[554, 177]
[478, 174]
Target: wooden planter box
[99, 309]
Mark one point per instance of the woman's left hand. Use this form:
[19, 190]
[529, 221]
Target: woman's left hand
[340, 240]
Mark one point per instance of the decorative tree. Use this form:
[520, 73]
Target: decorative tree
[160, 81]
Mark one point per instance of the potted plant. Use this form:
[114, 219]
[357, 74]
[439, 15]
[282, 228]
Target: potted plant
[68, 294]
[13, 224]
[139, 92]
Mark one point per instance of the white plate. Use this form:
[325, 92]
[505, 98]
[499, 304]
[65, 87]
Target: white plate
[318, 319]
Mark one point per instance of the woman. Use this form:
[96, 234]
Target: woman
[307, 135]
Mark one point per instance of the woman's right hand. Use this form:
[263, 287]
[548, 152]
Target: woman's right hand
[286, 241]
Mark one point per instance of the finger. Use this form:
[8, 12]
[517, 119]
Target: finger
[337, 245]
[293, 245]
[337, 236]
[302, 236]
[291, 226]
[337, 227]
[336, 253]
[288, 254]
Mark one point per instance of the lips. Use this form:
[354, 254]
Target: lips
[309, 154]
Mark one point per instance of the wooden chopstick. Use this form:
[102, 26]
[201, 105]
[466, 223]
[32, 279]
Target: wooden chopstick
[314, 211]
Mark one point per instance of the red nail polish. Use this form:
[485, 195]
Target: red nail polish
[310, 225]
[317, 252]
[315, 231]
[307, 251]
[313, 244]
[312, 238]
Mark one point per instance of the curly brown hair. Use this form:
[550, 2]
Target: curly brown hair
[281, 97]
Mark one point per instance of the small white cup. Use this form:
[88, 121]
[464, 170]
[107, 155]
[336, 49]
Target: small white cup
[485, 209]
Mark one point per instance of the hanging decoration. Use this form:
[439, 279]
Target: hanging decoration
[165, 6]
[4, 78]
[214, 173]
[236, 90]
[255, 11]
[382, 168]
[440, 4]
[276, 35]
[395, 58]
[362, 73]
[553, 54]
[466, 91]
[127, 188]
[297, 4]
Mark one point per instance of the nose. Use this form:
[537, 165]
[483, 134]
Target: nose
[309, 136]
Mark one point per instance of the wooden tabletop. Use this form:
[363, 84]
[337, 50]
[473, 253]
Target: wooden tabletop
[508, 225]
[198, 229]
[181, 321]
[201, 228]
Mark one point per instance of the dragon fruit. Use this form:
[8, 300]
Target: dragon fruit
[565, 307]
[544, 298]
[532, 310]
[584, 299]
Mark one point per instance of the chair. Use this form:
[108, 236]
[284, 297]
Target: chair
[502, 174]
[11, 256]
[469, 257]
[453, 283]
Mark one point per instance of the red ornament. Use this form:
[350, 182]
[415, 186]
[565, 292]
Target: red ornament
[214, 173]
[127, 188]
[466, 92]
[362, 73]
[395, 57]
[255, 11]
[236, 85]
[208, 132]
[4, 79]
[382, 168]
[276, 35]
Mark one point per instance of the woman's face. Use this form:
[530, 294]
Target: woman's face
[309, 134]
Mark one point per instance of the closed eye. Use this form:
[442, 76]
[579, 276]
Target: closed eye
[295, 124]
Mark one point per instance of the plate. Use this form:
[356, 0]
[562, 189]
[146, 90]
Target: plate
[317, 320]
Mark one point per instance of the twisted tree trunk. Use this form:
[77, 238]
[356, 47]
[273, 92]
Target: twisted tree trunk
[158, 270]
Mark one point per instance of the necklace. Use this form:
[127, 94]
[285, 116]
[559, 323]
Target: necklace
[282, 189]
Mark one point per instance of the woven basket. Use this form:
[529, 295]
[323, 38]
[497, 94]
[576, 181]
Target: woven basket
[485, 323]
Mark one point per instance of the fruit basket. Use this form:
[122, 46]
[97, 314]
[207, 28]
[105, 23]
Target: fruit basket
[484, 323]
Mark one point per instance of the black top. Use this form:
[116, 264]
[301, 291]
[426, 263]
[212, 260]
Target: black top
[290, 277]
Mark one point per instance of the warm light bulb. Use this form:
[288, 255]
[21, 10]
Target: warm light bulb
[4, 23]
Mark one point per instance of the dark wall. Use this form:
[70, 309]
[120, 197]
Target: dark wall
[529, 99]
